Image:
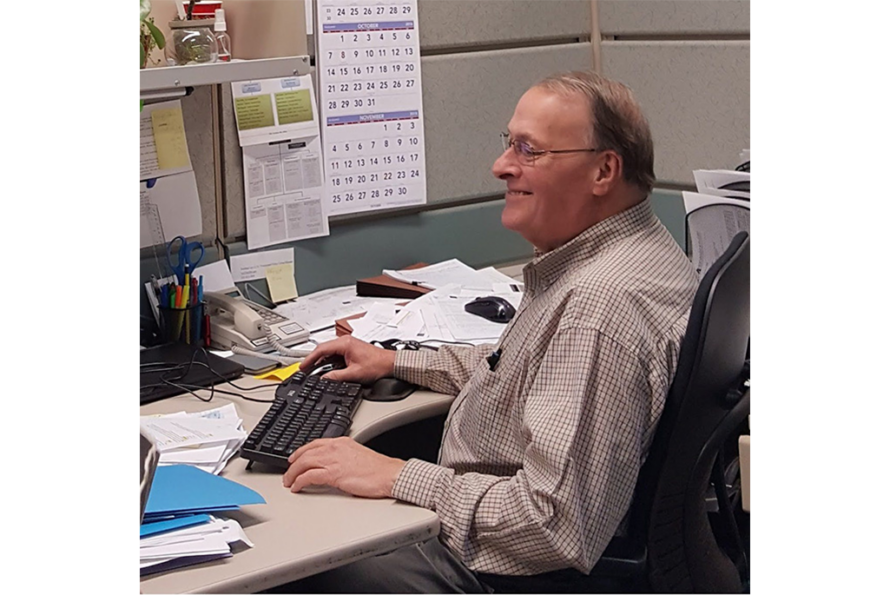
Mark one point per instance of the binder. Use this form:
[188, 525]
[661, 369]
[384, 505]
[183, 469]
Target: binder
[383, 286]
[342, 326]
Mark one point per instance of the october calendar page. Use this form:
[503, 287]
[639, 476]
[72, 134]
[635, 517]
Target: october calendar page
[371, 102]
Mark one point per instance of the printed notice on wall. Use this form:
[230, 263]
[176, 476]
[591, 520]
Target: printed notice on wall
[169, 205]
[372, 108]
[283, 177]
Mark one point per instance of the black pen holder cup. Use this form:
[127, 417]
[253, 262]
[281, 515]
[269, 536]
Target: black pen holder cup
[182, 325]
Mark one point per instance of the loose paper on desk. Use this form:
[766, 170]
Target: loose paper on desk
[449, 272]
[206, 439]
[281, 281]
[283, 179]
[713, 221]
[319, 310]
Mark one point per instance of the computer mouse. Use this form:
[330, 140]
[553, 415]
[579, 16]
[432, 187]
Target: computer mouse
[741, 185]
[325, 365]
[390, 389]
[493, 308]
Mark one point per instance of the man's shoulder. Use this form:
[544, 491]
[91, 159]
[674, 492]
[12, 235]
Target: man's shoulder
[649, 280]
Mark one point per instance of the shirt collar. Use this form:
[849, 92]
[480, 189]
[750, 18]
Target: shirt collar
[546, 267]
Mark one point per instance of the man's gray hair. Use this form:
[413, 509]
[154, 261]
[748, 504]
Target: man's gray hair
[617, 121]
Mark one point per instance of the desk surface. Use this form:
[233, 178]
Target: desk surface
[297, 535]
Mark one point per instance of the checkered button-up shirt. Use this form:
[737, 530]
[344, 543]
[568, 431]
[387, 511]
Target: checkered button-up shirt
[540, 456]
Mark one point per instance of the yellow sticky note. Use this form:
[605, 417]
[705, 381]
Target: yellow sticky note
[294, 106]
[254, 112]
[281, 374]
[282, 285]
[169, 133]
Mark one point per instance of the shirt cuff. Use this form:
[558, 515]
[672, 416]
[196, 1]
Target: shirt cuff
[411, 365]
[418, 482]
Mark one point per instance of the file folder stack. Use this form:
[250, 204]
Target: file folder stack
[180, 526]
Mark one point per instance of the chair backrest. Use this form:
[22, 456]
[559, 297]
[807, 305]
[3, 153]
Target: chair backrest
[710, 229]
[669, 511]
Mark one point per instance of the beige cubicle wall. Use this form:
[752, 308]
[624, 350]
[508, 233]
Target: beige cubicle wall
[688, 62]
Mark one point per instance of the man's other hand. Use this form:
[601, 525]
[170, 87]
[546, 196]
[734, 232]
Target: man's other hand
[344, 464]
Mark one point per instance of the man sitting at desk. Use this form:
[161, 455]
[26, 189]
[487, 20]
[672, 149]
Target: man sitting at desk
[544, 442]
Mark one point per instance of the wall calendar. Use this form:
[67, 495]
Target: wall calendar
[368, 65]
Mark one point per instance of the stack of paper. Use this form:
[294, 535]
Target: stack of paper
[178, 526]
[206, 440]
[439, 316]
[202, 538]
[436, 276]
[716, 213]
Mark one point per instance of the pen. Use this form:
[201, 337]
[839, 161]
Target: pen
[178, 297]
[200, 288]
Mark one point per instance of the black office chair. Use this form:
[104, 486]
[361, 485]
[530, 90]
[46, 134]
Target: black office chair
[670, 546]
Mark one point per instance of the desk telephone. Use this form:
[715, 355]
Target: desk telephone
[235, 320]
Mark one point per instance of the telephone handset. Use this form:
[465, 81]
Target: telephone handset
[235, 320]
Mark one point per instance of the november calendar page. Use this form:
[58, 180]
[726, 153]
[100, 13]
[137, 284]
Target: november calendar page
[371, 102]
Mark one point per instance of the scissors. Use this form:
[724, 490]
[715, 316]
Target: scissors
[185, 261]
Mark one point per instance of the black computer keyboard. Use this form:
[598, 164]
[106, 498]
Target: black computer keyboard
[305, 408]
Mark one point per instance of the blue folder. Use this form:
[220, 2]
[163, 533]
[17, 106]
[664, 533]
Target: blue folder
[179, 490]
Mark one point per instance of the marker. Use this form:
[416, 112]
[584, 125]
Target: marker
[178, 296]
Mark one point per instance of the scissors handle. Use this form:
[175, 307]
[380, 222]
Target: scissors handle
[183, 258]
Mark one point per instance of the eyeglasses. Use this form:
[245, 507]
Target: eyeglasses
[528, 155]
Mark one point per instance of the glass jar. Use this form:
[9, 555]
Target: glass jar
[192, 42]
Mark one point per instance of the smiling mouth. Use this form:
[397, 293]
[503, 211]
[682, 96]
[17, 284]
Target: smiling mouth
[517, 193]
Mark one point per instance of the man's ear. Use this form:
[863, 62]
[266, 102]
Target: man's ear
[607, 172]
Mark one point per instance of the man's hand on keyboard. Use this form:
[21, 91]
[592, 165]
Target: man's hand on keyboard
[344, 464]
[365, 363]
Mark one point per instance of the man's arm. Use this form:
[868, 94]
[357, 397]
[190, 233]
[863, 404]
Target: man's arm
[446, 370]
[583, 429]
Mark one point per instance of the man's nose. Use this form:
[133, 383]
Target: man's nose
[505, 165]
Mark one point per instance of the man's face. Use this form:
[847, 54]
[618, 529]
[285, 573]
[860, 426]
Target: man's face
[548, 201]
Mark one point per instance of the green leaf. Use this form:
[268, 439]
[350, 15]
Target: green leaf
[144, 9]
[141, 56]
[156, 33]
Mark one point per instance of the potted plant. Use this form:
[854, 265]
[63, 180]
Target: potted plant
[150, 35]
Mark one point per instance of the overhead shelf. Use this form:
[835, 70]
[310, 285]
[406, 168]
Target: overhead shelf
[165, 78]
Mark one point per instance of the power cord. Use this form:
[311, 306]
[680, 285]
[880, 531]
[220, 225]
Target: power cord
[281, 359]
[287, 351]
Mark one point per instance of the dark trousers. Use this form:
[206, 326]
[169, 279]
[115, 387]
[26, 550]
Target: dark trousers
[426, 567]
[430, 567]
